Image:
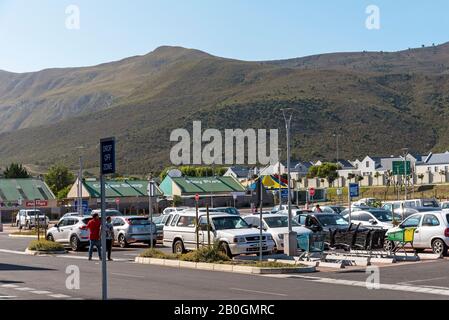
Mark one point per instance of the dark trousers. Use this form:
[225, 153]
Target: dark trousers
[109, 247]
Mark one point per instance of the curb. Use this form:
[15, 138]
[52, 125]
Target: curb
[222, 267]
[40, 253]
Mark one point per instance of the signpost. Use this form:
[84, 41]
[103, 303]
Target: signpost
[151, 194]
[398, 168]
[197, 199]
[354, 192]
[1, 224]
[107, 166]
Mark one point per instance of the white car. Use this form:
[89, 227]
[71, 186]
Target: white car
[277, 226]
[29, 219]
[71, 230]
[174, 210]
[233, 234]
[444, 205]
[374, 218]
[283, 207]
[432, 231]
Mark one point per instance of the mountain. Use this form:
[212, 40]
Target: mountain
[380, 102]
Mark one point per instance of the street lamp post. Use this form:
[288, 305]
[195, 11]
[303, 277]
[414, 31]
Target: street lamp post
[405, 150]
[279, 176]
[290, 245]
[80, 184]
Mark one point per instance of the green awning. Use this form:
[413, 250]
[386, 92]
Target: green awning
[193, 185]
[119, 189]
[25, 189]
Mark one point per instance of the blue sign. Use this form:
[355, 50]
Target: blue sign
[85, 205]
[354, 190]
[107, 161]
[284, 193]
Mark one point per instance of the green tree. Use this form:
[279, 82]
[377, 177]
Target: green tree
[62, 194]
[59, 178]
[328, 171]
[16, 171]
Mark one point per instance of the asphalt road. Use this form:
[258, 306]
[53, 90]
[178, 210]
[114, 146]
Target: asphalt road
[29, 277]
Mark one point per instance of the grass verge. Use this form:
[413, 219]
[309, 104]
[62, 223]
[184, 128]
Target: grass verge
[44, 245]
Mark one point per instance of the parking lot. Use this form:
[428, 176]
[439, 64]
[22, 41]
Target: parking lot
[44, 277]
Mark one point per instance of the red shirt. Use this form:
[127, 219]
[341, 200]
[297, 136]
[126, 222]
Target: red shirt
[94, 228]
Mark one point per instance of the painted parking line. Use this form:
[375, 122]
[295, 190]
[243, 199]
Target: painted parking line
[126, 275]
[9, 286]
[12, 251]
[363, 284]
[423, 280]
[59, 296]
[24, 289]
[7, 297]
[42, 292]
[261, 292]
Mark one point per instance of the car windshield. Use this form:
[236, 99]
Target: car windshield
[226, 223]
[382, 215]
[430, 203]
[33, 213]
[279, 222]
[332, 220]
[158, 219]
[86, 220]
[139, 221]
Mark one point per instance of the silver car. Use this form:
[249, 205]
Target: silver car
[133, 229]
[70, 231]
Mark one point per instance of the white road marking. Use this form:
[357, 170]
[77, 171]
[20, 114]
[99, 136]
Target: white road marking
[395, 287]
[12, 251]
[423, 280]
[59, 296]
[7, 297]
[9, 286]
[41, 292]
[24, 289]
[126, 275]
[262, 292]
[86, 258]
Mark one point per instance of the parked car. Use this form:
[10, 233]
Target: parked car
[402, 212]
[322, 221]
[174, 209]
[109, 212]
[134, 229]
[229, 210]
[330, 209]
[295, 212]
[233, 234]
[366, 202]
[70, 230]
[277, 226]
[444, 205]
[283, 207]
[375, 218]
[160, 222]
[29, 219]
[77, 214]
[432, 231]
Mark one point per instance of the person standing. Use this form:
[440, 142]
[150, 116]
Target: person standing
[94, 226]
[318, 209]
[109, 228]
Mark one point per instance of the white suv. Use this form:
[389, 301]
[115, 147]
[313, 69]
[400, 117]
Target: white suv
[233, 234]
[72, 231]
[29, 219]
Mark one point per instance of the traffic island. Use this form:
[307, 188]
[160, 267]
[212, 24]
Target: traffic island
[44, 247]
[207, 259]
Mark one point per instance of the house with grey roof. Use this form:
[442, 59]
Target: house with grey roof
[434, 163]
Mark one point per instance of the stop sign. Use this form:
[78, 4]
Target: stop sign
[197, 197]
[312, 192]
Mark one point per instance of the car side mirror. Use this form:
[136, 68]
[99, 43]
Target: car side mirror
[372, 221]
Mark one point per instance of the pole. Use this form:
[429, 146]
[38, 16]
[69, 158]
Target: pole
[37, 221]
[150, 209]
[103, 240]
[196, 228]
[261, 222]
[208, 226]
[405, 175]
[280, 189]
[349, 202]
[80, 188]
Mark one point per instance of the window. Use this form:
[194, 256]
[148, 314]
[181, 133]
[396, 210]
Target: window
[436, 169]
[174, 220]
[364, 217]
[71, 222]
[302, 219]
[430, 220]
[63, 223]
[169, 219]
[411, 222]
[186, 222]
[367, 164]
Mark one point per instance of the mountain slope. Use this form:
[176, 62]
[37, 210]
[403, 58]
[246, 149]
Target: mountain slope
[380, 102]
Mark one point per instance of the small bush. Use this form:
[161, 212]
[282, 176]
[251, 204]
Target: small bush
[44, 245]
[157, 254]
[207, 254]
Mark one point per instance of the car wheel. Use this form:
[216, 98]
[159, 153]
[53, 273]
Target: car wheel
[224, 248]
[389, 245]
[50, 238]
[178, 247]
[122, 241]
[439, 247]
[75, 243]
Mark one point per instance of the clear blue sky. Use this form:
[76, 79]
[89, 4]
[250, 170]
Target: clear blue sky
[33, 35]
